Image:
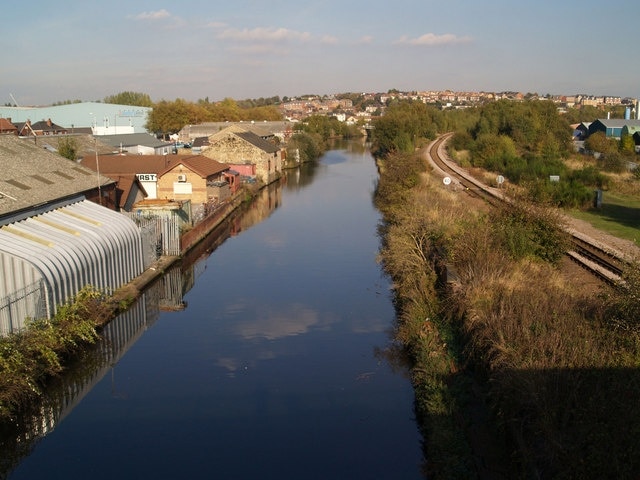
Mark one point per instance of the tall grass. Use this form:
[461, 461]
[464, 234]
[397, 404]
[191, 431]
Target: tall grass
[558, 367]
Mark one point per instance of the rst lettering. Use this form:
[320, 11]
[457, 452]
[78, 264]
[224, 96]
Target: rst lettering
[147, 177]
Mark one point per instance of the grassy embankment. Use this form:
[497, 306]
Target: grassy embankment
[618, 216]
[556, 367]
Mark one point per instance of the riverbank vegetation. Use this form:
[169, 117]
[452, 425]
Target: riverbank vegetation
[30, 357]
[518, 371]
[328, 127]
[304, 147]
[312, 137]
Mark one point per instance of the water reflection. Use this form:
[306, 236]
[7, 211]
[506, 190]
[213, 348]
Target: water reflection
[272, 360]
[64, 393]
[17, 439]
[275, 321]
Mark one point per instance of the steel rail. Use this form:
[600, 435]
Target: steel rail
[601, 261]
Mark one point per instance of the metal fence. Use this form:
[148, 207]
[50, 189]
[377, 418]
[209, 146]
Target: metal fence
[160, 234]
[17, 307]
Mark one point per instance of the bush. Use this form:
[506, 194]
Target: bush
[399, 174]
[591, 177]
[30, 357]
[304, 146]
[68, 148]
[461, 141]
[525, 230]
[613, 162]
[623, 302]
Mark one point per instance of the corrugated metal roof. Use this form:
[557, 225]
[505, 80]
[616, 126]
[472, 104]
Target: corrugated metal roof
[617, 122]
[63, 250]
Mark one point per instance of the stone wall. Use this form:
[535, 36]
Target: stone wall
[232, 149]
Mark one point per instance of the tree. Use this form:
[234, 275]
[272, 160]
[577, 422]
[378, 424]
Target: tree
[627, 145]
[587, 113]
[404, 124]
[598, 142]
[170, 117]
[68, 148]
[130, 98]
[494, 152]
[534, 126]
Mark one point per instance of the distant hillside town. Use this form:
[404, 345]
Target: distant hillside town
[352, 108]
[373, 104]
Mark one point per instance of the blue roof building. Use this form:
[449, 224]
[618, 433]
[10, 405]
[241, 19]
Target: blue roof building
[612, 128]
[103, 118]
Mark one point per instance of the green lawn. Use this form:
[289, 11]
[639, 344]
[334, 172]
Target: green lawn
[619, 216]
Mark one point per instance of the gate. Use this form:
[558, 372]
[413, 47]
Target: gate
[160, 234]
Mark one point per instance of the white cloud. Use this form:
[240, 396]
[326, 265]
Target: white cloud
[329, 40]
[431, 40]
[259, 49]
[365, 40]
[157, 15]
[261, 34]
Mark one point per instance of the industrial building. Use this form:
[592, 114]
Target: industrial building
[53, 239]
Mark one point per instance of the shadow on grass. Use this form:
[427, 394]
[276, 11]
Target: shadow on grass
[624, 215]
[561, 423]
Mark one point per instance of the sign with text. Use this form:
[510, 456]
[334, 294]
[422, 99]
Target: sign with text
[147, 177]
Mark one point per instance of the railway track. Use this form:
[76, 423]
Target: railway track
[601, 261]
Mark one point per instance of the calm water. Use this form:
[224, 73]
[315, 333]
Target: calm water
[259, 358]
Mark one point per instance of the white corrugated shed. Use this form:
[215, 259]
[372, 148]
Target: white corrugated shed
[46, 259]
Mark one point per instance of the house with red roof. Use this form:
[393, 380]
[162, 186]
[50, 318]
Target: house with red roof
[7, 128]
[169, 177]
[196, 178]
[43, 127]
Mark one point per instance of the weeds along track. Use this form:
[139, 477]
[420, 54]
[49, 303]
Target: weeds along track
[601, 261]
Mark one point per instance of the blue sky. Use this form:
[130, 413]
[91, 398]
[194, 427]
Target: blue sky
[86, 50]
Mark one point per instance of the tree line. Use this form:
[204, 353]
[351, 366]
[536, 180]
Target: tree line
[527, 142]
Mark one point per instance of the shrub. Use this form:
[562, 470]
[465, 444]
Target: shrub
[613, 162]
[623, 302]
[526, 230]
[29, 357]
[306, 146]
[68, 148]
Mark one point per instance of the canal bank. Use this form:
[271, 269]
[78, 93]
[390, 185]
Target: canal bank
[30, 359]
[279, 354]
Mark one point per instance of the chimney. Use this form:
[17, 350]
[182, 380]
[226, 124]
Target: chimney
[48, 122]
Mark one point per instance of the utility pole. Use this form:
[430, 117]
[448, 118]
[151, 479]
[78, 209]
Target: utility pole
[95, 142]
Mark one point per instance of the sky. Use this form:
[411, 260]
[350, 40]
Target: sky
[241, 49]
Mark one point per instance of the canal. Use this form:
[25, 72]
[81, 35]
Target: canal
[265, 354]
